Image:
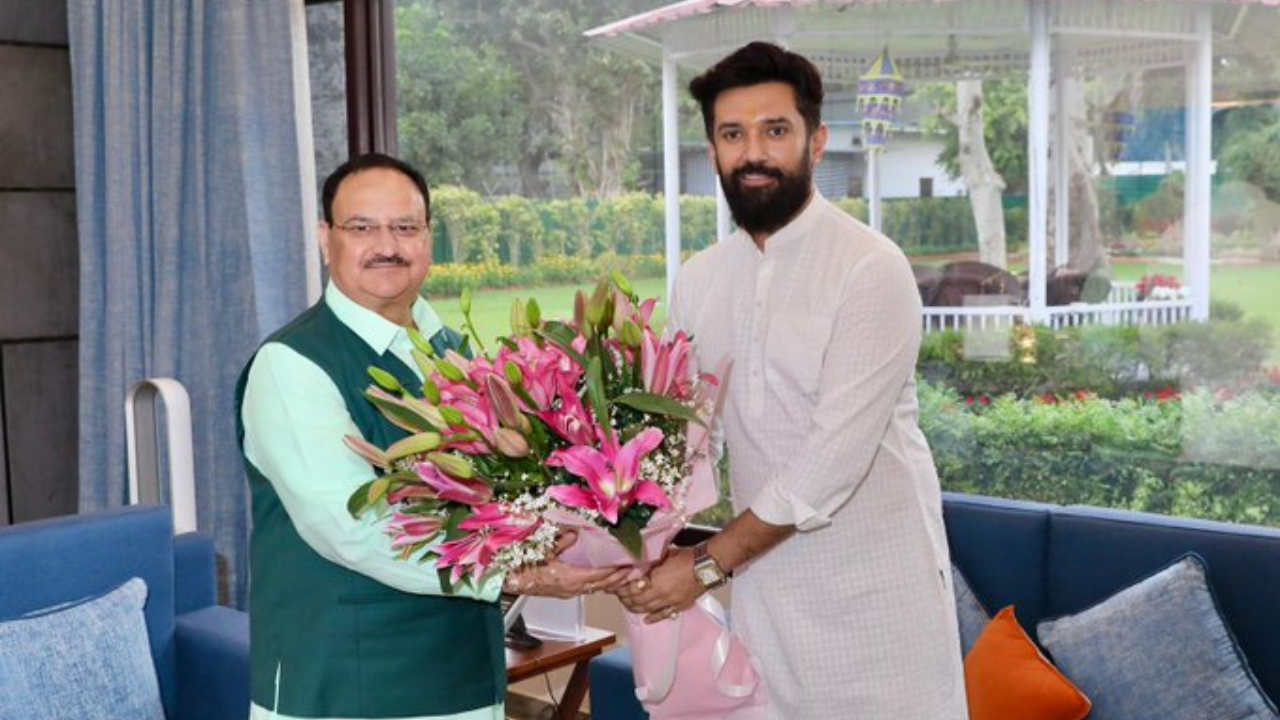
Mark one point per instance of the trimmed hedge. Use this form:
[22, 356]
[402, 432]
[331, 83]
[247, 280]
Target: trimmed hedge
[473, 230]
[1200, 455]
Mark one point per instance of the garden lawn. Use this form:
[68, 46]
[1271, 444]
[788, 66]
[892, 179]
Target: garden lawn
[491, 309]
[1255, 288]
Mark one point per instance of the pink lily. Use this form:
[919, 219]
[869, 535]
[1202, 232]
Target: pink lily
[665, 364]
[612, 475]
[571, 420]
[493, 529]
[467, 492]
[407, 530]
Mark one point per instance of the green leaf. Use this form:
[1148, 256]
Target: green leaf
[359, 500]
[595, 392]
[562, 336]
[385, 380]
[659, 405]
[628, 535]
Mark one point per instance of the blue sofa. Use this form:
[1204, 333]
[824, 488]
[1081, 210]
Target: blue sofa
[1051, 560]
[200, 649]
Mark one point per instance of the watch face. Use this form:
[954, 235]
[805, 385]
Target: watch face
[707, 575]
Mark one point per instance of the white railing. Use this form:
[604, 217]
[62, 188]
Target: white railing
[1135, 312]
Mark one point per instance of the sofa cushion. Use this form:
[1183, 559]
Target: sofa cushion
[1006, 677]
[970, 614]
[1159, 649]
[90, 661]
[1094, 552]
[96, 552]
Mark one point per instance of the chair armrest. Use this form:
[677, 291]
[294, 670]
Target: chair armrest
[213, 664]
[194, 573]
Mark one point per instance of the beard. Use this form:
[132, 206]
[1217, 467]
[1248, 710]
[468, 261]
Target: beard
[767, 210]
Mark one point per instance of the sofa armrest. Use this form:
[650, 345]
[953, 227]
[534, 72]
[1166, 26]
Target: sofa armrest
[195, 573]
[213, 664]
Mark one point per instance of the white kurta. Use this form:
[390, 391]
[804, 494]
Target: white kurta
[853, 617]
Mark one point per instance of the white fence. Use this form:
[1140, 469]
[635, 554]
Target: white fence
[1122, 307]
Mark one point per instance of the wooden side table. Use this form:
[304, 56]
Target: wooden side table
[555, 654]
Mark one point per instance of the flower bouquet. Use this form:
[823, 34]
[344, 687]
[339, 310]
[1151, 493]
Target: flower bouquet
[596, 425]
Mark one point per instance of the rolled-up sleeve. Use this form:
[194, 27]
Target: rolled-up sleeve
[295, 420]
[866, 365]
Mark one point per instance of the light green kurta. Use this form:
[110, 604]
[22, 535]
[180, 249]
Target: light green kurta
[294, 421]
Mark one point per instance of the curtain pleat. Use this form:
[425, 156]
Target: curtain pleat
[191, 226]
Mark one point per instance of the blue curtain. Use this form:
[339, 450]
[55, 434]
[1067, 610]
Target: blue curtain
[191, 226]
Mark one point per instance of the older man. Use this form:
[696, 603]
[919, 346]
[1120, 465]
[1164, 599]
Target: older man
[841, 577]
[340, 628]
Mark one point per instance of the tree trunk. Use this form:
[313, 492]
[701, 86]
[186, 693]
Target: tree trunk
[986, 187]
[1084, 242]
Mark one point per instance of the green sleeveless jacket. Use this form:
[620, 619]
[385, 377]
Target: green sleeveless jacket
[344, 644]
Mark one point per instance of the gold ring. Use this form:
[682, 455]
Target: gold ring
[641, 585]
[672, 613]
[591, 587]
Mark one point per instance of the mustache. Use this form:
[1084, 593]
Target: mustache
[395, 259]
[756, 168]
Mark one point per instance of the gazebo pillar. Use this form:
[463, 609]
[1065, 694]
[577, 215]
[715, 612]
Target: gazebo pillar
[875, 208]
[1196, 219]
[1038, 161]
[1063, 62]
[671, 166]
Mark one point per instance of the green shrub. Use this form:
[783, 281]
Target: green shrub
[1199, 456]
[1108, 361]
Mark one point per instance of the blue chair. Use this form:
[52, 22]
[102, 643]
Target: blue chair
[200, 649]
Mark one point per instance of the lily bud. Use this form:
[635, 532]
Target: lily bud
[453, 465]
[414, 445]
[513, 374]
[534, 314]
[385, 380]
[623, 283]
[597, 307]
[450, 371]
[431, 391]
[465, 300]
[510, 443]
[518, 318]
[579, 309]
[623, 311]
[505, 404]
[630, 334]
[420, 342]
[452, 416]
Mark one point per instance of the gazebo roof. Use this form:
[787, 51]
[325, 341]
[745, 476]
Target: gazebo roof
[936, 39]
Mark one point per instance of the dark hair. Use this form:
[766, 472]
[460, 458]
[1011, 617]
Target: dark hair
[371, 161]
[756, 63]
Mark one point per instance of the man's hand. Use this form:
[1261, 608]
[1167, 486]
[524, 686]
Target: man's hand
[554, 578]
[669, 588]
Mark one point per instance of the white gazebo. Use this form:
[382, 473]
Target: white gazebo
[1045, 41]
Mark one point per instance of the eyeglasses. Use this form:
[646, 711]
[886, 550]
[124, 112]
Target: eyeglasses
[363, 229]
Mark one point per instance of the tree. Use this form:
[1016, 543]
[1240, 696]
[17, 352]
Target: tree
[986, 187]
[458, 111]
[579, 105]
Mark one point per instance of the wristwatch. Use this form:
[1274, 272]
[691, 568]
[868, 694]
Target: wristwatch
[706, 569]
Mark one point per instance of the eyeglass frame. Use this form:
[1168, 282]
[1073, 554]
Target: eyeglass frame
[366, 229]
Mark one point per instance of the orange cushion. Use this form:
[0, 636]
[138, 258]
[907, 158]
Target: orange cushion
[1007, 678]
